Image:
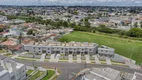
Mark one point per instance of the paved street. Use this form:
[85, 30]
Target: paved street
[66, 68]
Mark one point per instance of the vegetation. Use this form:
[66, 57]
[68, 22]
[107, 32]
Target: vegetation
[36, 75]
[83, 26]
[122, 46]
[29, 72]
[135, 32]
[50, 73]
[1, 29]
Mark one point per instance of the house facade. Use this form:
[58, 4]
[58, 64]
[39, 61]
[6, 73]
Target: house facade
[10, 70]
[106, 51]
[65, 48]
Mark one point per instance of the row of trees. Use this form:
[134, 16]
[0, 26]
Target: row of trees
[134, 32]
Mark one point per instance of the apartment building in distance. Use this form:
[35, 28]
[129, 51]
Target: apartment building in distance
[59, 47]
[10, 70]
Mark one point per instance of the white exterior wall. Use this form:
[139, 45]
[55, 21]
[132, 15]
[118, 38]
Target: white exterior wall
[103, 51]
[15, 71]
[60, 49]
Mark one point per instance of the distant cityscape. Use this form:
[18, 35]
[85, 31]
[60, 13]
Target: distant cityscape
[71, 42]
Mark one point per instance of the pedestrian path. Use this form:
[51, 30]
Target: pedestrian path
[54, 58]
[108, 61]
[78, 58]
[70, 60]
[97, 61]
[57, 58]
[42, 57]
[87, 59]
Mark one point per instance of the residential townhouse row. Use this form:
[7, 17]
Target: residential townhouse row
[69, 48]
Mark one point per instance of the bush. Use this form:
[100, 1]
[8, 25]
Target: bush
[135, 32]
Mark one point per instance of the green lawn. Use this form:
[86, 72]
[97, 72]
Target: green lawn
[29, 72]
[50, 73]
[122, 46]
[38, 74]
[2, 51]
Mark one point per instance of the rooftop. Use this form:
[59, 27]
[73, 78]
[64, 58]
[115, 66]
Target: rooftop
[102, 74]
[70, 44]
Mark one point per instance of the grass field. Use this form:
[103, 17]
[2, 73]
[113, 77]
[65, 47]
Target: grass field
[122, 46]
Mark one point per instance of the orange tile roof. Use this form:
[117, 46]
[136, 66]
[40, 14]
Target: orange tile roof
[8, 42]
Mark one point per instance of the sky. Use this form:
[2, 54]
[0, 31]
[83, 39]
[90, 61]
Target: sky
[74, 2]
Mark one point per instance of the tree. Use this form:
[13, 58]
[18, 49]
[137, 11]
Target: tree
[1, 29]
[75, 12]
[135, 32]
[136, 24]
[65, 24]
[30, 32]
[141, 24]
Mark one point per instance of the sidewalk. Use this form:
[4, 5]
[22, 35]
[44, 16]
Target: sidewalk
[88, 59]
[97, 60]
[108, 61]
[70, 60]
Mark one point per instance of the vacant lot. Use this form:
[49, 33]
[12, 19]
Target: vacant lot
[122, 46]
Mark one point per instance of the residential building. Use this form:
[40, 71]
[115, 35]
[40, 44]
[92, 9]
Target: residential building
[59, 47]
[102, 74]
[107, 74]
[106, 51]
[10, 70]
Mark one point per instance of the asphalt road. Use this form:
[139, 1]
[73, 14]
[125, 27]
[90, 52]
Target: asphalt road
[68, 68]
